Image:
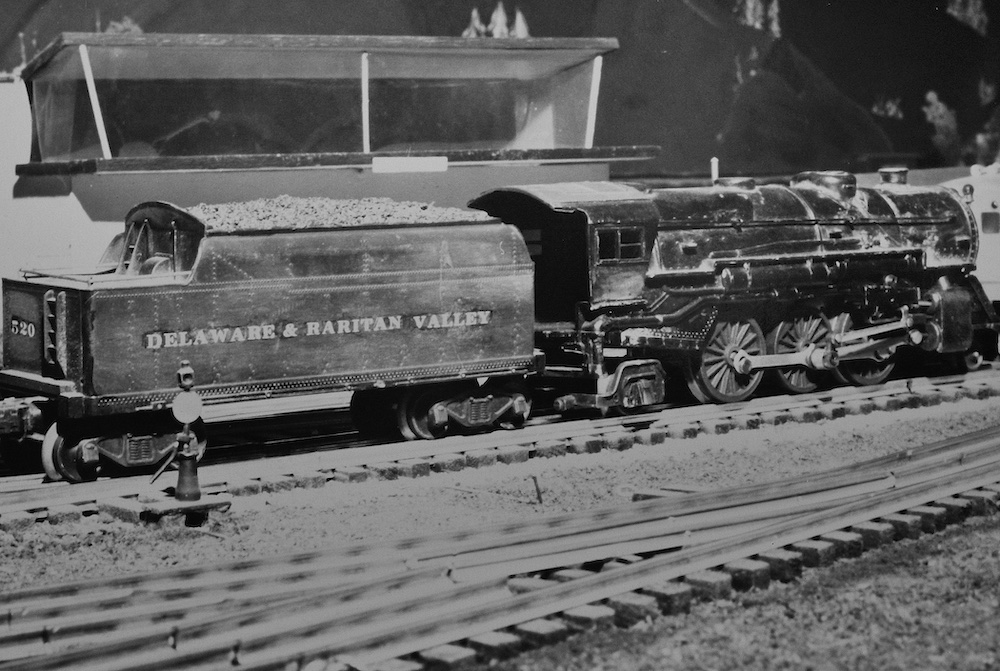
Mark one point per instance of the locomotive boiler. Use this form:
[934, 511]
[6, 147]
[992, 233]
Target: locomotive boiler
[721, 285]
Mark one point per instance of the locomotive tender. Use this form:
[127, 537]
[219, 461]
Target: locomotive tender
[263, 313]
[599, 293]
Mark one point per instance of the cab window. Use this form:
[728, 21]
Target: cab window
[620, 244]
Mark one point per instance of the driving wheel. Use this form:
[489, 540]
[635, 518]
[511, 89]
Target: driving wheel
[712, 377]
[795, 335]
[859, 372]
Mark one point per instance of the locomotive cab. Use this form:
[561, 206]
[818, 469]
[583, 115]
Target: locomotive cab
[589, 264]
[159, 239]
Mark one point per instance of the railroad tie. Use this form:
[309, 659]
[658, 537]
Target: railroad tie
[786, 565]
[710, 585]
[543, 631]
[414, 467]
[903, 525]
[815, 552]
[497, 645]
[683, 430]
[397, 664]
[633, 607]
[832, 410]
[448, 656]
[933, 518]
[650, 436]
[748, 574]
[875, 534]
[550, 448]
[983, 501]
[958, 509]
[589, 616]
[859, 407]
[847, 543]
[776, 417]
[672, 597]
[447, 463]
[350, 474]
[480, 458]
[513, 454]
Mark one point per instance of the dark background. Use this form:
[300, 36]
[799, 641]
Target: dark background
[688, 76]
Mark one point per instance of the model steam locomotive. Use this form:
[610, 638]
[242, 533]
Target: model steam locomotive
[725, 283]
[602, 294]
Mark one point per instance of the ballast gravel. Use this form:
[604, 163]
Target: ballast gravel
[930, 603]
[291, 212]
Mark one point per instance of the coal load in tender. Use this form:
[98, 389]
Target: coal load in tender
[290, 212]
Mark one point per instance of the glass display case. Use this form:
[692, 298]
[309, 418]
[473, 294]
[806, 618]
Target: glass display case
[120, 119]
[126, 96]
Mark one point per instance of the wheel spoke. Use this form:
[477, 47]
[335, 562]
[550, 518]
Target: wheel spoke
[729, 384]
[861, 372]
[715, 370]
[712, 377]
[714, 360]
[714, 351]
[719, 377]
[794, 335]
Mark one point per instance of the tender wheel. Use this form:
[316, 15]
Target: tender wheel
[62, 460]
[859, 372]
[413, 413]
[712, 377]
[796, 335]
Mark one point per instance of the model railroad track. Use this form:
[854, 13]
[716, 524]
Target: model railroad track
[27, 499]
[502, 586]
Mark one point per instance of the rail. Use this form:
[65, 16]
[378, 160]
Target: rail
[33, 499]
[368, 603]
